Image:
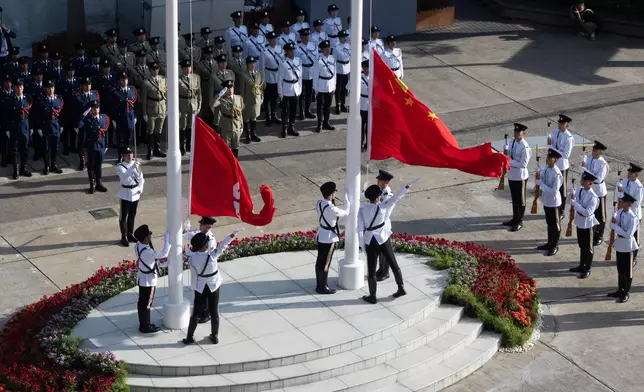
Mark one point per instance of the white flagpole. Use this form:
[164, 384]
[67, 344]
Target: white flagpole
[351, 274]
[176, 312]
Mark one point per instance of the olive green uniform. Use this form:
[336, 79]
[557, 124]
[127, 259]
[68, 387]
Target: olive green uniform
[230, 121]
[108, 51]
[122, 62]
[205, 69]
[138, 46]
[154, 101]
[184, 54]
[217, 79]
[252, 91]
[158, 57]
[238, 66]
[189, 105]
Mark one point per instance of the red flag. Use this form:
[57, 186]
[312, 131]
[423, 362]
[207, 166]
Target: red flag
[218, 184]
[405, 129]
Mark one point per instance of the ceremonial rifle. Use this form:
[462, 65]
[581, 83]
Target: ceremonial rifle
[572, 210]
[537, 187]
[611, 242]
[502, 179]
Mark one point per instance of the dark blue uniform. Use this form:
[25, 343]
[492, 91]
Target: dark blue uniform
[26, 77]
[36, 91]
[91, 71]
[67, 89]
[123, 111]
[93, 140]
[82, 105]
[11, 68]
[79, 63]
[49, 112]
[18, 109]
[105, 85]
[6, 152]
[45, 65]
[56, 74]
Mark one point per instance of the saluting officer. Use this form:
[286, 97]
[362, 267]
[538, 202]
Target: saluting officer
[633, 187]
[328, 234]
[18, 108]
[189, 104]
[93, 141]
[148, 263]
[132, 181]
[154, 97]
[393, 57]
[308, 53]
[271, 59]
[300, 24]
[318, 34]
[141, 41]
[237, 64]
[215, 85]
[252, 93]
[625, 225]
[324, 84]
[519, 153]
[333, 24]
[123, 99]
[585, 203]
[342, 54]
[230, 108]
[563, 141]
[375, 42]
[123, 60]
[597, 165]
[254, 45]
[236, 34]
[289, 88]
[49, 127]
[156, 55]
[81, 107]
[550, 182]
[205, 40]
[110, 49]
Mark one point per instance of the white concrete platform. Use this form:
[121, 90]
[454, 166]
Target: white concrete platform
[276, 333]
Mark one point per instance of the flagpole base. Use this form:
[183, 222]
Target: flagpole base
[176, 316]
[351, 275]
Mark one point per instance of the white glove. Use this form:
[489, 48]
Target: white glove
[8, 134]
[166, 236]
[235, 232]
[40, 132]
[186, 225]
[114, 122]
[506, 147]
[223, 91]
[145, 117]
[347, 201]
[76, 130]
[31, 132]
[412, 183]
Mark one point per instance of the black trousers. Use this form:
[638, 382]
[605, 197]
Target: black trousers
[270, 100]
[323, 103]
[111, 136]
[212, 297]
[562, 191]
[364, 126]
[517, 193]
[6, 154]
[600, 214]
[325, 255]
[94, 168]
[289, 109]
[624, 271]
[18, 147]
[306, 97]
[146, 295]
[49, 148]
[69, 137]
[127, 216]
[124, 134]
[554, 229]
[586, 249]
[637, 239]
[373, 251]
[341, 90]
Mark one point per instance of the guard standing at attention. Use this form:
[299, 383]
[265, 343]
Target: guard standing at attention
[252, 93]
[328, 234]
[110, 48]
[519, 153]
[633, 187]
[132, 181]
[206, 70]
[49, 127]
[308, 54]
[318, 34]
[289, 88]
[6, 93]
[364, 104]
[206, 38]
[254, 45]
[393, 57]
[550, 182]
[189, 104]
[18, 108]
[68, 88]
[236, 34]
[333, 24]
[265, 26]
[148, 263]
[271, 59]
[190, 50]
[82, 106]
[598, 166]
[237, 64]
[375, 41]
[585, 203]
[93, 143]
[625, 225]
[141, 41]
[124, 97]
[123, 60]
[300, 24]
[342, 54]
[231, 122]
[156, 55]
[563, 141]
[324, 84]
[154, 110]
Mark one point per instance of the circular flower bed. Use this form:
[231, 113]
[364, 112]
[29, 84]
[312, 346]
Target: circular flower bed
[37, 352]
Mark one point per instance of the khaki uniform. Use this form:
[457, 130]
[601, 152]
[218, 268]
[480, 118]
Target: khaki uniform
[154, 98]
[122, 62]
[205, 69]
[252, 91]
[189, 99]
[238, 66]
[108, 51]
[230, 122]
[184, 54]
[217, 79]
[138, 46]
[158, 57]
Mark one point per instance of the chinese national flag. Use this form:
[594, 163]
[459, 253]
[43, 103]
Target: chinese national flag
[405, 129]
[218, 184]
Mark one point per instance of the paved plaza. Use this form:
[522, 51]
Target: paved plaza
[479, 75]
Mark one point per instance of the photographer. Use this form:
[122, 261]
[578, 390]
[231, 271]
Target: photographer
[585, 19]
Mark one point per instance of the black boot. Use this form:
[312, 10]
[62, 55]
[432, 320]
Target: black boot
[92, 186]
[188, 140]
[371, 298]
[512, 221]
[144, 322]
[157, 147]
[327, 115]
[182, 142]
[150, 143]
[246, 132]
[383, 269]
[24, 172]
[235, 152]
[283, 135]
[337, 109]
[99, 186]
[253, 132]
[124, 241]
[81, 163]
[15, 172]
[46, 169]
[192, 327]
[130, 228]
[318, 129]
[401, 292]
[274, 119]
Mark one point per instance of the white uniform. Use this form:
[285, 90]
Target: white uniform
[342, 54]
[271, 59]
[364, 93]
[316, 37]
[253, 47]
[386, 195]
[131, 181]
[332, 26]
[551, 180]
[206, 267]
[564, 143]
[286, 38]
[585, 203]
[393, 58]
[599, 168]
[373, 219]
[289, 78]
[308, 54]
[265, 29]
[625, 227]
[236, 36]
[324, 79]
[365, 55]
[633, 188]
[212, 242]
[148, 263]
[519, 153]
[295, 29]
[328, 215]
[378, 45]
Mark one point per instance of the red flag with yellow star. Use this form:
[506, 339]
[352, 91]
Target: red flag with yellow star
[405, 129]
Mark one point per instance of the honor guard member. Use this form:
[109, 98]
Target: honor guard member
[348, 29]
[252, 93]
[230, 108]
[289, 88]
[203, 262]
[625, 226]
[286, 36]
[271, 59]
[123, 99]
[519, 153]
[205, 226]
[132, 181]
[597, 165]
[190, 51]
[137, 77]
[333, 25]
[43, 62]
[375, 42]
[393, 57]
[36, 90]
[93, 69]
[237, 34]
[206, 38]
[324, 84]
[93, 143]
[81, 107]
[563, 141]
[364, 103]
[299, 24]
[265, 25]
[585, 203]
[11, 66]
[328, 234]
[318, 35]
[237, 64]
[105, 84]
[141, 41]
[68, 88]
[49, 127]
[56, 72]
[220, 76]
[365, 50]
[123, 60]
[180, 40]
[374, 237]
[342, 54]
[550, 182]
[308, 53]
[156, 55]
[110, 49]
[148, 263]
[220, 46]
[633, 187]
[23, 70]
[254, 45]
[383, 179]
[6, 94]
[80, 60]
[154, 97]
[18, 109]
[206, 70]
[189, 104]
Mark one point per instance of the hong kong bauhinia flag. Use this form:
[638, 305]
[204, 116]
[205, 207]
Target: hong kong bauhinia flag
[218, 184]
[405, 129]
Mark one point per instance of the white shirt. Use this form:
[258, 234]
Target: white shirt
[149, 262]
[599, 168]
[519, 153]
[308, 55]
[284, 39]
[4, 45]
[270, 62]
[205, 263]
[381, 211]
[378, 45]
[236, 36]
[253, 47]
[265, 29]
[550, 182]
[342, 53]
[365, 55]
[625, 226]
[564, 143]
[633, 188]
[316, 37]
[364, 93]
[393, 58]
[295, 29]
[129, 176]
[289, 78]
[324, 79]
[328, 215]
[585, 203]
[332, 26]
